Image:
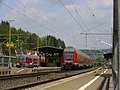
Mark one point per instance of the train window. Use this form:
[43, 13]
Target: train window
[23, 58]
[29, 59]
[20, 57]
[69, 56]
[35, 60]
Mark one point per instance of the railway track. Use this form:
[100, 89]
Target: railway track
[24, 81]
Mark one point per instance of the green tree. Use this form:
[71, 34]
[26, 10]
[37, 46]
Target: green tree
[27, 40]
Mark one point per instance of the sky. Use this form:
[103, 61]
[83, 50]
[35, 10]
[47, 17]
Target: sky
[64, 19]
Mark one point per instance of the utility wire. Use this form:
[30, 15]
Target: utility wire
[71, 15]
[92, 12]
[78, 15]
[37, 15]
[29, 18]
[82, 20]
[84, 25]
[44, 20]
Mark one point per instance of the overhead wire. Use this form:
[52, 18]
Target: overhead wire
[91, 12]
[83, 22]
[78, 15]
[37, 15]
[43, 19]
[71, 15]
[28, 17]
[24, 15]
[94, 16]
[78, 22]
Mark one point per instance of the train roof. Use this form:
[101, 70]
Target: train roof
[69, 48]
[32, 56]
[48, 49]
[83, 53]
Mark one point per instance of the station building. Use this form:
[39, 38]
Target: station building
[49, 56]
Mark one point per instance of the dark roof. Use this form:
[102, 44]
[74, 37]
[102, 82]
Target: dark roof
[48, 49]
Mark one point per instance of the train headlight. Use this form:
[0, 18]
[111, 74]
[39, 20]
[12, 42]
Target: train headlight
[30, 63]
[18, 64]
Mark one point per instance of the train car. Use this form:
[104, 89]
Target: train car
[27, 61]
[74, 59]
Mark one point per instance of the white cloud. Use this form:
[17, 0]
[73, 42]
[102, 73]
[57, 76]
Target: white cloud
[70, 8]
[68, 22]
[27, 3]
[49, 15]
[55, 14]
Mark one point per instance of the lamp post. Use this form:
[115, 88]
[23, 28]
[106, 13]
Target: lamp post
[10, 63]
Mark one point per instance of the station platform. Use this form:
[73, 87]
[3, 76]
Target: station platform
[6, 71]
[107, 83]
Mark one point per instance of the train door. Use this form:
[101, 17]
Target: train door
[36, 62]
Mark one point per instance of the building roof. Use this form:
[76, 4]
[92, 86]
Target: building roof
[48, 49]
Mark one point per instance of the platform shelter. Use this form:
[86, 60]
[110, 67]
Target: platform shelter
[49, 56]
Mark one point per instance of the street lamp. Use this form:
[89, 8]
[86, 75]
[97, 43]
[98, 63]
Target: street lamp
[10, 64]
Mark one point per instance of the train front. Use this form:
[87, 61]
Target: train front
[69, 58]
[21, 60]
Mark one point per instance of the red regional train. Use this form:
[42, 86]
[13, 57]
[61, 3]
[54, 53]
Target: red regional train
[27, 61]
[73, 59]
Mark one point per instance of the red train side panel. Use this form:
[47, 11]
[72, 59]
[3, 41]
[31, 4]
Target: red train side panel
[27, 61]
[73, 59]
[75, 55]
[84, 60]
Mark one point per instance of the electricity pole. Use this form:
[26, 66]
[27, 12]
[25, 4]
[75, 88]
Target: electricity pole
[10, 63]
[38, 43]
[86, 34]
[38, 40]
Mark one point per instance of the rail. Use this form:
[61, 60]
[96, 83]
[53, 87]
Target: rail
[28, 80]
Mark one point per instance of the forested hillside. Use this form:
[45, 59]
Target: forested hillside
[25, 40]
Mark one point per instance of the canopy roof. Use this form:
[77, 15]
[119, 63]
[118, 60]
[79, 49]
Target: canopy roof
[48, 49]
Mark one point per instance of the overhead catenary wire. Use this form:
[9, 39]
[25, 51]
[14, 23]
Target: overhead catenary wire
[92, 12]
[71, 15]
[78, 15]
[82, 23]
[94, 16]
[44, 20]
[24, 15]
[37, 22]
[81, 18]
[30, 19]
[69, 12]
[35, 14]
